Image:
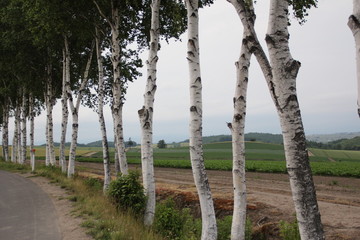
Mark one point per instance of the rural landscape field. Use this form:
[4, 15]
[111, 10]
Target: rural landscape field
[336, 176]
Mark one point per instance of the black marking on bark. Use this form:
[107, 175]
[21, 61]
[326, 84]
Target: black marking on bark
[198, 79]
[191, 42]
[292, 67]
[269, 39]
[237, 117]
[291, 98]
[353, 22]
[75, 125]
[229, 125]
[359, 112]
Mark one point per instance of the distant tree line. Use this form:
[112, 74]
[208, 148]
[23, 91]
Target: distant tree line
[341, 144]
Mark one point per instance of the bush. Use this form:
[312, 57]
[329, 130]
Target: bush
[289, 231]
[128, 194]
[175, 224]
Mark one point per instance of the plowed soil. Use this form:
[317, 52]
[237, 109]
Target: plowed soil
[269, 197]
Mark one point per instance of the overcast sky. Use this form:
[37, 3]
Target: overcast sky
[326, 83]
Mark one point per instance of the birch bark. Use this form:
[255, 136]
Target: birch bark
[75, 114]
[14, 149]
[101, 94]
[238, 142]
[146, 116]
[5, 131]
[64, 104]
[117, 101]
[23, 128]
[285, 70]
[31, 133]
[49, 102]
[354, 25]
[209, 228]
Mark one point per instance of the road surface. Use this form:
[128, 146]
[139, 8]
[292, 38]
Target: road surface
[26, 211]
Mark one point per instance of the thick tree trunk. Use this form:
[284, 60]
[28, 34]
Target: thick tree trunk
[75, 114]
[238, 143]
[49, 102]
[101, 94]
[5, 131]
[116, 158]
[31, 134]
[146, 117]
[209, 228]
[354, 25]
[23, 129]
[285, 69]
[64, 105]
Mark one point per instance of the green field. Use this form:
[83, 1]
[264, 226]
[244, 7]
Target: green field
[260, 157]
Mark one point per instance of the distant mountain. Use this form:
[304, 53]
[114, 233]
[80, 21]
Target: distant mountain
[326, 138]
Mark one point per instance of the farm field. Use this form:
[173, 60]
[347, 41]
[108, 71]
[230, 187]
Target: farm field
[268, 191]
[260, 157]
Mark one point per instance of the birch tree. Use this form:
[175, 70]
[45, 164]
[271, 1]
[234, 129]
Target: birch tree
[74, 107]
[31, 132]
[280, 74]
[354, 25]
[237, 128]
[209, 228]
[5, 129]
[146, 116]
[101, 95]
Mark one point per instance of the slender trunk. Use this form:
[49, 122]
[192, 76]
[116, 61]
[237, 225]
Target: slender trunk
[15, 137]
[5, 132]
[354, 25]
[146, 117]
[75, 113]
[101, 94]
[47, 155]
[64, 104]
[18, 143]
[116, 158]
[209, 228]
[238, 143]
[50, 102]
[32, 124]
[23, 129]
[285, 70]
[117, 104]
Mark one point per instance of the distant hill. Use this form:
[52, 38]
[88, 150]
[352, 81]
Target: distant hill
[341, 144]
[326, 138]
[261, 137]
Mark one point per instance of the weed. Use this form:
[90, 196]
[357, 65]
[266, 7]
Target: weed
[289, 231]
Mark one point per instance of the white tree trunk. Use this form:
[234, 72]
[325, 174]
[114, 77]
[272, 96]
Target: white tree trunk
[18, 143]
[14, 149]
[5, 132]
[117, 103]
[75, 114]
[31, 133]
[23, 129]
[285, 69]
[101, 94]
[354, 25]
[146, 117]
[64, 105]
[49, 102]
[238, 143]
[116, 158]
[209, 228]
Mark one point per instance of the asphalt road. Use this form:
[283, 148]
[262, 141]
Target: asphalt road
[26, 211]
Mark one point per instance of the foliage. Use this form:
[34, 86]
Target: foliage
[161, 144]
[173, 223]
[301, 8]
[127, 193]
[289, 231]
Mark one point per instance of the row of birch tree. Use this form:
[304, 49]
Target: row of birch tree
[83, 53]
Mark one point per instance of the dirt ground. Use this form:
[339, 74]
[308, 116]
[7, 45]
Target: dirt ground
[69, 224]
[269, 197]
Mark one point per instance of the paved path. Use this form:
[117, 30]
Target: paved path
[26, 211]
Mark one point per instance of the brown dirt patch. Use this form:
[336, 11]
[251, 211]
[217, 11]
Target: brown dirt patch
[69, 224]
[269, 197]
